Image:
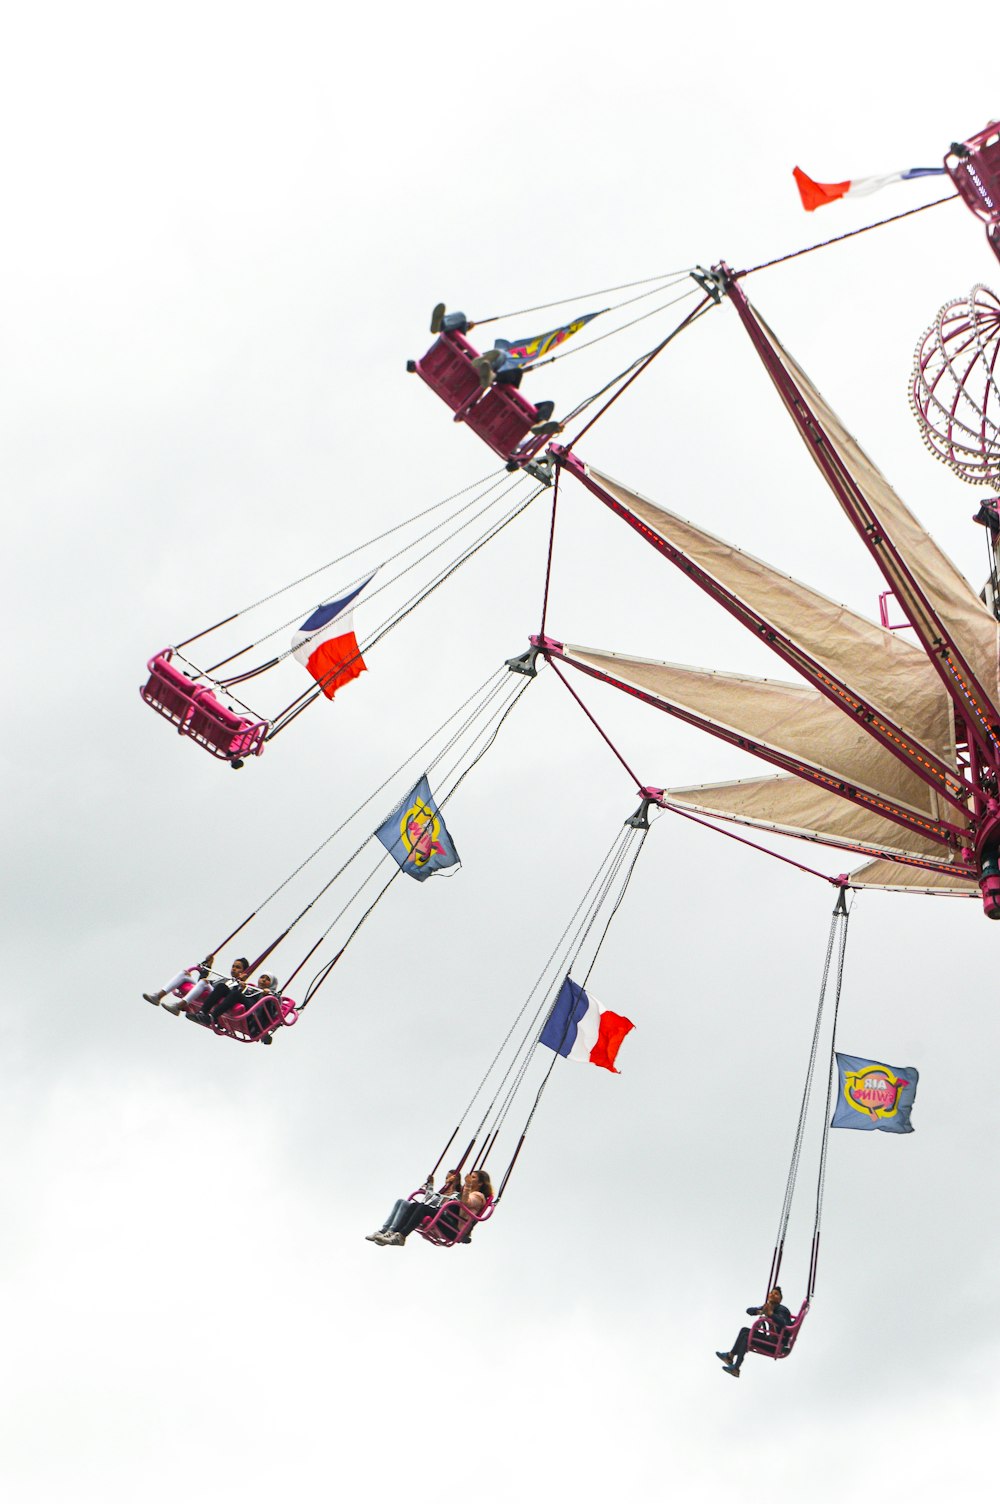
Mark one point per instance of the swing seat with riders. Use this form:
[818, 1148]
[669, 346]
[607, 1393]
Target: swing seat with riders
[445, 1228]
[197, 713]
[770, 1341]
[500, 416]
[254, 1024]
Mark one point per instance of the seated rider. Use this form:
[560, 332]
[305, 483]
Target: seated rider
[187, 986]
[223, 995]
[455, 1223]
[406, 1215]
[778, 1315]
[495, 365]
[266, 985]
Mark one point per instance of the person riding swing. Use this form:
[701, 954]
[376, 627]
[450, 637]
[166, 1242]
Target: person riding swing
[777, 1314]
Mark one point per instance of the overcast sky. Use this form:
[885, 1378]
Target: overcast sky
[225, 229]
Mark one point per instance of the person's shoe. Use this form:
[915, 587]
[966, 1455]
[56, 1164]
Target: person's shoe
[173, 1008]
[544, 410]
[153, 997]
[267, 1039]
[731, 1368]
[437, 318]
[724, 1357]
[199, 1018]
[395, 1240]
[483, 370]
[375, 1237]
[547, 430]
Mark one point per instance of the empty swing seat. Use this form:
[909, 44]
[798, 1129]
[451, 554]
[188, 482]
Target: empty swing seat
[499, 415]
[975, 171]
[197, 713]
[440, 1228]
[769, 1342]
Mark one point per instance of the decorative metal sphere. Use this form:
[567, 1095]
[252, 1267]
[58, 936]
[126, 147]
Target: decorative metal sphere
[954, 392]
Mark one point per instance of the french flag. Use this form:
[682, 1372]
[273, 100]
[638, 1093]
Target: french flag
[578, 1028]
[325, 643]
[814, 195]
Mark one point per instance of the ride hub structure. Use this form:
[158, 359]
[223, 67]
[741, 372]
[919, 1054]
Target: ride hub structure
[890, 748]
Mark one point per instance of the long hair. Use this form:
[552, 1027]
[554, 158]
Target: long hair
[484, 1185]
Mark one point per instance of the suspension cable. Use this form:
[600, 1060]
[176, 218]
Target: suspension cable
[793, 1168]
[491, 736]
[821, 1177]
[586, 344]
[243, 610]
[599, 292]
[504, 481]
[300, 703]
[555, 1055]
[498, 674]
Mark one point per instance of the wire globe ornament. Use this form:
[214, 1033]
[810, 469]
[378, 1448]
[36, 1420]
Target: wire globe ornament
[953, 390]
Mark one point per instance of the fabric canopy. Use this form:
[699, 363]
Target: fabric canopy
[788, 805]
[893, 878]
[892, 675]
[922, 568]
[792, 721]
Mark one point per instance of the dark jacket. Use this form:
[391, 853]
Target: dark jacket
[779, 1318]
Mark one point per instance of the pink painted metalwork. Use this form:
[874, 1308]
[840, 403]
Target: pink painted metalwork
[974, 168]
[766, 1340]
[445, 1236]
[500, 416]
[198, 714]
[883, 612]
[251, 1025]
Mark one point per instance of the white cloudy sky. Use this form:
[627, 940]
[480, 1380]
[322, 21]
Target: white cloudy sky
[224, 229]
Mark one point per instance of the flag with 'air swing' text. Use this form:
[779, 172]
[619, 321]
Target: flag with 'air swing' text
[521, 352]
[325, 643]
[578, 1028]
[873, 1096]
[416, 836]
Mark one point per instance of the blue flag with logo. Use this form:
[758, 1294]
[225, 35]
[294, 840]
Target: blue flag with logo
[415, 834]
[522, 352]
[873, 1096]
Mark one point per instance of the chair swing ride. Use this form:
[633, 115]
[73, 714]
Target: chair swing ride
[886, 747]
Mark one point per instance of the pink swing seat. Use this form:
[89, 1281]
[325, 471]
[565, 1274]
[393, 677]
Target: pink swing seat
[769, 1342]
[196, 713]
[975, 171]
[264, 1015]
[444, 1234]
[499, 415]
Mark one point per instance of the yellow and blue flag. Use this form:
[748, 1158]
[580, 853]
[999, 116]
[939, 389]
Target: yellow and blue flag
[524, 352]
[873, 1096]
[416, 836]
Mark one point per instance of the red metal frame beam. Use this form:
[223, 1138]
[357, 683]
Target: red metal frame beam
[956, 674]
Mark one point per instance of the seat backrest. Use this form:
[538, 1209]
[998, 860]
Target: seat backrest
[502, 419]
[448, 370]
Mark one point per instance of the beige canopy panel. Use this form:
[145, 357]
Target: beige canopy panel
[893, 879]
[891, 674]
[969, 624]
[791, 720]
[789, 806]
